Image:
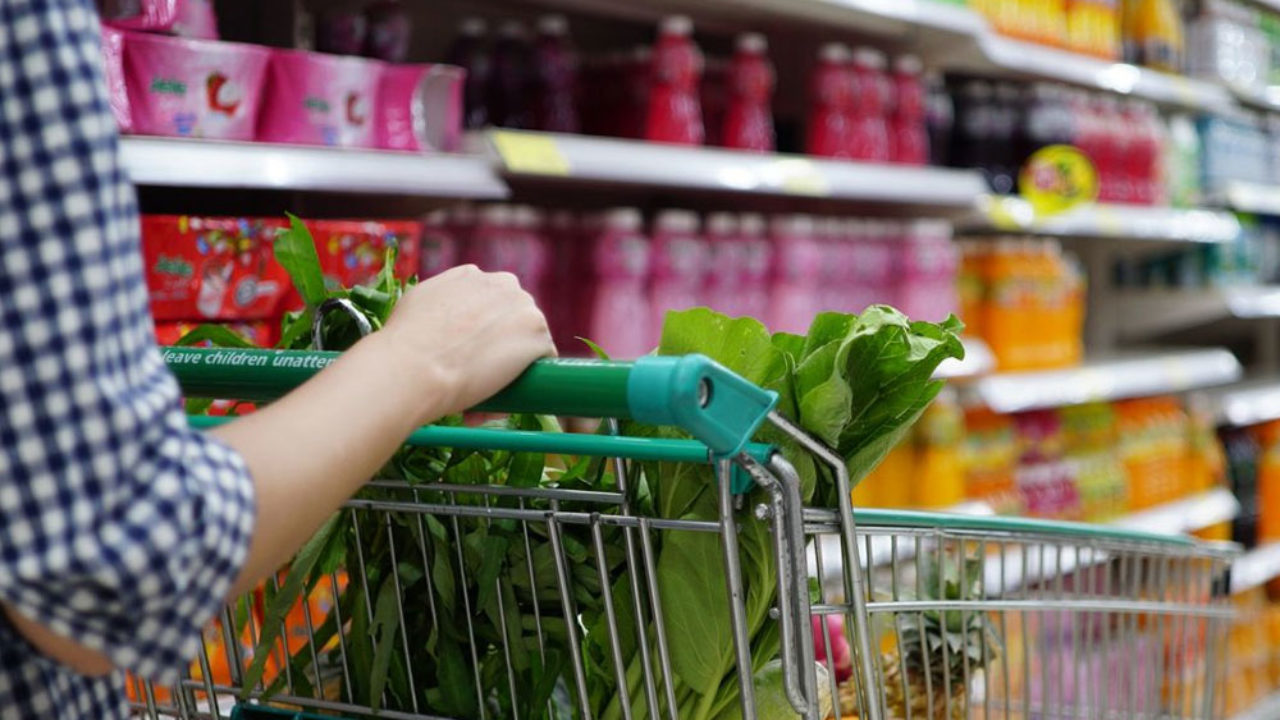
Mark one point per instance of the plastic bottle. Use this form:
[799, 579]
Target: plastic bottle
[674, 112]
[389, 31]
[1006, 161]
[511, 78]
[1159, 35]
[555, 99]
[679, 265]
[723, 250]
[908, 128]
[1144, 152]
[940, 117]
[439, 246]
[974, 136]
[619, 307]
[470, 54]
[796, 274]
[748, 120]
[869, 135]
[751, 292]
[830, 132]
[531, 252]
[829, 234]
[941, 445]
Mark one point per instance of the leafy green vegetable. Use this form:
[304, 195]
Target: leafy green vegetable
[295, 250]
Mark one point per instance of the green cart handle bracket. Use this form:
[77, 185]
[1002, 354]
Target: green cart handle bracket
[691, 392]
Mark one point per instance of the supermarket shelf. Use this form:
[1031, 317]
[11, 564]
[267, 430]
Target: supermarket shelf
[1185, 516]
[1254, 568]
[1133, 222]
[1267, 709]
[1251, 198]
[978, 361]
[1247, 403]
[210, 164]
[607, 161]
[1150, 313]
[1125, 377]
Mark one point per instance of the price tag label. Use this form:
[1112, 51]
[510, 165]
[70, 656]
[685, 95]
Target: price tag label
[800, 177]
[529, 153]
[1058, 178]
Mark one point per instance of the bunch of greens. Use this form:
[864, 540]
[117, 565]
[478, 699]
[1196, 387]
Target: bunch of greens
[476, 602]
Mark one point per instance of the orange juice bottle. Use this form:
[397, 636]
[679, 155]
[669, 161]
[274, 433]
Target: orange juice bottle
[1159, 35]
[889, 485]
[1053, 22]
[1268, 435]
[969, 286]
[1000, 303]
[940, 471]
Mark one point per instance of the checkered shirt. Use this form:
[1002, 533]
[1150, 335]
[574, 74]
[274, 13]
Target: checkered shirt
[119, 526]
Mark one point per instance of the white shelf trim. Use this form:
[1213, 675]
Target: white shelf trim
[1134, 222]
[1256, 567]
[1138, 376]
[1144, 314]
[211, 164]
[1248, 403]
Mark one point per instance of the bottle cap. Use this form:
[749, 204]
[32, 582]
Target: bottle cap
[676, 221]
[463, 214]
[497, 214]
[751, 224]
[676, 25]
[436, 218]
[834, 53]
[869, 57]
[512, 29]
[473, 27]
[627, 219]
[554, 25]
[795, 224]
[526, 216]
[908, 65]
[721, 223]
[752, 43]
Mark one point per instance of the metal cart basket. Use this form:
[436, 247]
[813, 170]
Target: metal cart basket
[461, 597]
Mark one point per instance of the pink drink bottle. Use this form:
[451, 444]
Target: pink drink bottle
[674, 112]
[679, 265]
[830, 109]
[797, 274]
[908, 129]
[748, 121]
[751, 290]
[869, 134]
[439, 246]
[723, 250]
[619, 308]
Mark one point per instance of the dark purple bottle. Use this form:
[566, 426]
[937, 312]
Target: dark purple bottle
[512, 78]
[555, 95]
[940, 117]
[470, 53]
[389, 31]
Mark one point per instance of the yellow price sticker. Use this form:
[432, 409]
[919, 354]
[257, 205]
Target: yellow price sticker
[1058, 178]
[530, 153]
[801, 177]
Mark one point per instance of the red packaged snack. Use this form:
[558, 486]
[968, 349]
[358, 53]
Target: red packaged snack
[201, 268]
[262, 334]
[351, 251]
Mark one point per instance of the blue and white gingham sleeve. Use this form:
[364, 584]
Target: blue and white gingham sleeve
[119, 526]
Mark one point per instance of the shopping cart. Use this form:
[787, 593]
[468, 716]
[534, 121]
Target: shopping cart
[944, 617]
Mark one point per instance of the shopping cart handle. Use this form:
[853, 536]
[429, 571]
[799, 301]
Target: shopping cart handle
[691, 392]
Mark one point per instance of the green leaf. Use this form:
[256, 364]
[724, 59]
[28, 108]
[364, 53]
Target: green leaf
[295, 330]
[695, 604]
[295, 250]
[284, 600]
[599, 351]
[219, 335]
[198, 406]
[386, 623]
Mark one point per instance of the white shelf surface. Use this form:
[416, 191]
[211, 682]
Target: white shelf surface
[1156, 373]
[1251, 198]
[1130, 222]
[609, 161]
[213, 164]
[1243, 404]
[978, 361]
[1255, 568]
[1149, 313]
[1266, 709]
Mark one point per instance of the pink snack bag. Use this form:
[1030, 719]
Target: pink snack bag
[675, 113]
[679, 265]
[724, 255]
[113, 68]
[195, 19]
[751, 290]
[618, 308]
[193, 88]
[420, 108]
[318, 99]
[797, 274]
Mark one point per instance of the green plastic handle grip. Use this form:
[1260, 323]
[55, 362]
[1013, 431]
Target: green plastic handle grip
[691, 392]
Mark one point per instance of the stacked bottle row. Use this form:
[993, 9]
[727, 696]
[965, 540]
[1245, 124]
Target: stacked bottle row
[1088, 462]
[1026, 299]
[1254, 649]
[611, 277]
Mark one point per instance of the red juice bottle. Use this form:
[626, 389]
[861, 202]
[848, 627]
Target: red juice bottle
[908, 130]
[674, 112]
[869, 133]
[511, 78]
[555, 101]
[470, 54]
[748, 122]
[1142, 152]
[830, 108]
